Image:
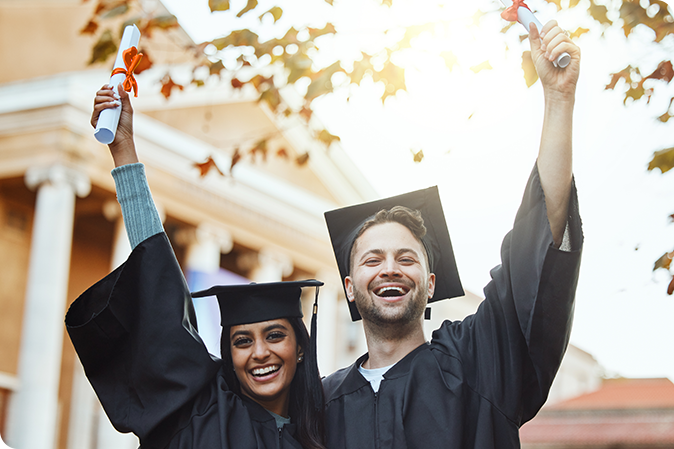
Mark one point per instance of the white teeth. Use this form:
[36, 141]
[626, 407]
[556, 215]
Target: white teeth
[385, 289]
[266, 370]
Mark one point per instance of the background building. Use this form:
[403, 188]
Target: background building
[623, 413]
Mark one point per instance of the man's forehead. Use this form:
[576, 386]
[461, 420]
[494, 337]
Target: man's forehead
[389, 236]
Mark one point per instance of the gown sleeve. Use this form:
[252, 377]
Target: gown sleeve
[134, 332]
[511, 348]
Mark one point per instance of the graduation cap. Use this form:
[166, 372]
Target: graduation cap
[252, 303]
[345, 224]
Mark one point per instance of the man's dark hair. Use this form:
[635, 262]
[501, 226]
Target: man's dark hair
[307, 402]
[410, 218]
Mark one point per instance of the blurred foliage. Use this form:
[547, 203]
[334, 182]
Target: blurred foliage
[267, 66]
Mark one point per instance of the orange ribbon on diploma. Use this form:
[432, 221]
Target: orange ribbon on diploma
[131, 60]
[126, 62]
[510, 13]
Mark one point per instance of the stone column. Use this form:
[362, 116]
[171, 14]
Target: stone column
[272, 266]
[205, 244]
[34, 409]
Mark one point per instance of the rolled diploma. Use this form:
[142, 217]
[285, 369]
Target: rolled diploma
[526, 17]
[109, 118]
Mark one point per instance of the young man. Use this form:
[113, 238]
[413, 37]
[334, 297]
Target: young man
[477, 381]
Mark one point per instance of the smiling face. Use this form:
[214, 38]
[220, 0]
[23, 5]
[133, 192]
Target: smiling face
[389, 281]
[265, 357]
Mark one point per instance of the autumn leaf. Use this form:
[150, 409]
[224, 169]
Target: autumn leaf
[664, 118]
[216, 67]
[105, 47]
[578, 32]
[306, 113]
[207, 166]
[393, 78]
[317, 32]
[260, 147]
[482, 66]
[417, 156]
[167, 86]
[145, 62]
[258, 81]
[635, 93]
[662, 159]
[599, 13]
[237, 38]
[276, 12]
[624, 74]
[218, 5]
[90, 28]
[164, 22]
[252, 4]
[664, 72]
[116, 11]
[321, 82]
[664, 261]
[236, 158]
[530, 74]
[272, 97]
[361, 68]
[327, 138]
[299, 65]
[302, 159]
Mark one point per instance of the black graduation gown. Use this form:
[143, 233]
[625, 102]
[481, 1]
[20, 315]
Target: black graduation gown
[478, 380]
[135, 336]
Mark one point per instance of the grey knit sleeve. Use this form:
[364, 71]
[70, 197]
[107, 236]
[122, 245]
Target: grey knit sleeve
[141, 218]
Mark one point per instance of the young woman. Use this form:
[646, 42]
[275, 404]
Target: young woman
[135, 333]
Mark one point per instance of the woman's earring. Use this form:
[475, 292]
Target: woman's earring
[300, 358]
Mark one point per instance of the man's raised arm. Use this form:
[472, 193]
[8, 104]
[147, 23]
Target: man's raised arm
[559, 87]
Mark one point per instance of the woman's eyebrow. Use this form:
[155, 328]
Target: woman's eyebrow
[275, 326]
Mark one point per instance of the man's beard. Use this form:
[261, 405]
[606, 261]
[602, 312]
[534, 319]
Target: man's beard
[383, 316]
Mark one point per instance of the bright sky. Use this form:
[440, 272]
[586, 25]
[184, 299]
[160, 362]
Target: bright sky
[623, 314]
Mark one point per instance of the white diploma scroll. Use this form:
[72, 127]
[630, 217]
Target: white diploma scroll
[109, 118]
[526, 17]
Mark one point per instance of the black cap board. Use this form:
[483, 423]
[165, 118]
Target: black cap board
[252, 303]
[344, 225]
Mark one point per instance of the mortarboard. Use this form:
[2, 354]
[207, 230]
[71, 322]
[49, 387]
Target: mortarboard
[345, 223]
[252, 303]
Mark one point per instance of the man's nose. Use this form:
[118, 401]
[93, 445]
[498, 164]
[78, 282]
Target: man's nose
[390, 268]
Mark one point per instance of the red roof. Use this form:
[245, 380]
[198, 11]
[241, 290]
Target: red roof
[616, 394]
[622, 411]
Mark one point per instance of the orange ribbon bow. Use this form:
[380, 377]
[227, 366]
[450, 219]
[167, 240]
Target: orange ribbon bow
[131, 60]
[510, 14]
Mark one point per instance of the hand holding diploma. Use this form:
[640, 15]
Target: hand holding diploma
[122, 148]
[518, 11]
[127, 60]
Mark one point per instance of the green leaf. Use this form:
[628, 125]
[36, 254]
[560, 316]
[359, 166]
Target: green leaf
[662, 159]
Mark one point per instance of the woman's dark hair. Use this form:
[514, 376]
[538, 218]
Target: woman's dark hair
[307, 401]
